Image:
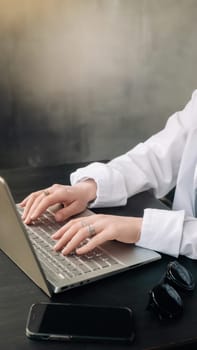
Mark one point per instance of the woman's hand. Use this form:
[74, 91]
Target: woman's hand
[74, 200]
[97, 229]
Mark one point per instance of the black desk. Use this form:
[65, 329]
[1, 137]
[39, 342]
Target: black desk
[130, 288]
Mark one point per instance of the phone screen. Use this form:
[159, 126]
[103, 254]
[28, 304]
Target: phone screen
[69, 321]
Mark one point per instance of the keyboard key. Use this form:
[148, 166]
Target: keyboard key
[63, 266]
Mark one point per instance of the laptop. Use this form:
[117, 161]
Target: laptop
[30, 248]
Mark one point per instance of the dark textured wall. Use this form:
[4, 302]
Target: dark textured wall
[87, 79]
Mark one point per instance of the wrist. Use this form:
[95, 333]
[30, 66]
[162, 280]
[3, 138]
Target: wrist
[89, 188]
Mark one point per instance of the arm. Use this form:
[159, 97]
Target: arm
[168, 232]
[153, 164]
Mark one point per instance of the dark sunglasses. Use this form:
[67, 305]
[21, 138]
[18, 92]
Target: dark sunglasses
[164, 299]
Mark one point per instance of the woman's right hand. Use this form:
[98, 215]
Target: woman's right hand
[73, 199]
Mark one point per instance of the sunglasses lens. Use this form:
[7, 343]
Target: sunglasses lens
[165, 301]
[180, 276]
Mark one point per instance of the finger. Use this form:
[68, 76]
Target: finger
[70, 224]
[68, 211]
[76, 240]
[37, 206]
[94, 242]
[58, 234]
[28, 204]
[55, 196]
[26, 199]
[71, 238]
[27, 207]
[79, 237]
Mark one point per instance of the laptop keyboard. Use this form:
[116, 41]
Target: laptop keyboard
[68, 266]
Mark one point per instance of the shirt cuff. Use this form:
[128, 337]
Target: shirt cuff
[108, 194]
[162, 231]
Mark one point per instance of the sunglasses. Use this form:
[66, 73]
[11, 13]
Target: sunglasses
[164, 299]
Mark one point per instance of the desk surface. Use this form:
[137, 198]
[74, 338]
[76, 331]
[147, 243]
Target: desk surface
[130, 288]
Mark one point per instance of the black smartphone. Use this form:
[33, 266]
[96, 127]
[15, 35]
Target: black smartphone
[73, 322]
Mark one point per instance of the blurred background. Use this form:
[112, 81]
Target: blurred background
[84, 80]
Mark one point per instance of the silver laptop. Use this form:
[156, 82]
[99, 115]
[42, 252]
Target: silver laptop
[30, 248]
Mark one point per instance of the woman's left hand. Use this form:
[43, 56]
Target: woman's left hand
[98, 229]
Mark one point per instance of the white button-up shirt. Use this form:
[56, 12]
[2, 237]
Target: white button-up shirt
[166, 160]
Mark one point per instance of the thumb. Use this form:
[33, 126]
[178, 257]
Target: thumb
[67, 212]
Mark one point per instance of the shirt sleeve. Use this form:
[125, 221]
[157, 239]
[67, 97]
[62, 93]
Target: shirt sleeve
[153, 164]
[110, 184]
[169, 232]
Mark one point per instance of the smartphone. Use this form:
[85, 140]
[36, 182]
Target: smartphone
[73, 322]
